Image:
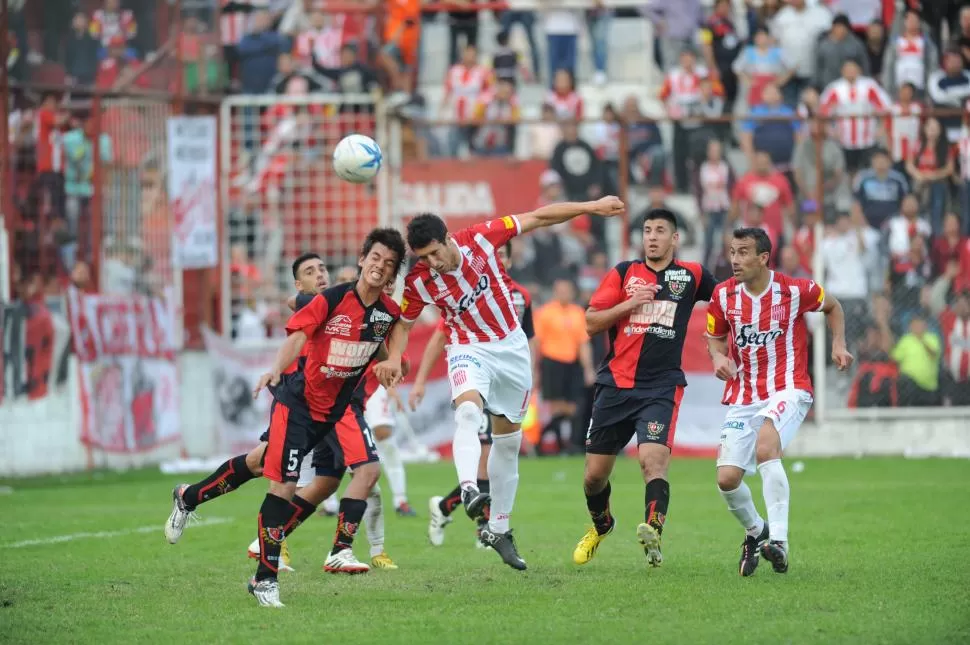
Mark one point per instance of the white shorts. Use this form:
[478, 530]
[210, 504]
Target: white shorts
[377, 411]
[307, 471]
[739, 432]
[499, 370]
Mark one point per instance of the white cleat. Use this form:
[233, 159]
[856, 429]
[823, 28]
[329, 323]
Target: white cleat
[344, 561]
[266, 592]
[181, 514]
[285, 563]
[437, 521]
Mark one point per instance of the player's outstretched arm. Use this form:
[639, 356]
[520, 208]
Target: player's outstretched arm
[433, 350]
[288, 352]
[553, 214]
[835, 316]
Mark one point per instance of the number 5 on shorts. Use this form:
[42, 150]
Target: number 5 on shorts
[294, 460]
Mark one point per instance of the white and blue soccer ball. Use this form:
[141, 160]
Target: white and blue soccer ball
[357, 158]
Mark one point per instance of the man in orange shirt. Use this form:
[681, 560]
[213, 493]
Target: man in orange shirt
[566, 359]
[402, 28]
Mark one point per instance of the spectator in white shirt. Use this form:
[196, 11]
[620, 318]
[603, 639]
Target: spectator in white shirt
[902, 229]
[848, 251]
[797, 28]
[910, 56]
[544, 136]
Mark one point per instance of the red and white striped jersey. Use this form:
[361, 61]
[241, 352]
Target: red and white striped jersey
[233, 26]
[769, 339]
[910, 64]
[320, 45]
[105, 25]
[566, 106]
[903, 130]
[464, 85]
[682, 89]
[956, 343]
[489, 109]
[860, 100]
[474, 299]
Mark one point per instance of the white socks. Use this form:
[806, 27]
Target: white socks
[503, 473]
[374, 521]
[466, 448]
[741, 505]
[774, 484]
[394, 469]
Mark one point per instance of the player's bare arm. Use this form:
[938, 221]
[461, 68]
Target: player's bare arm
[553, 214]
[597, 321]
[288, 352]
[836, 320]
[389, 371]
[724, 367]
[432, 351]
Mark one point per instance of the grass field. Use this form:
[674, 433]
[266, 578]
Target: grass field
[880, 554]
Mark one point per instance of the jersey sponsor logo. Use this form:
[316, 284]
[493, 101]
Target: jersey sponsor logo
[380, 316]
[350, 353]
[734, 312]
[339, 326]
[463, 358]
[748, 336]
[661, 312]
[656, 330]
[467, 300]
[634, 284]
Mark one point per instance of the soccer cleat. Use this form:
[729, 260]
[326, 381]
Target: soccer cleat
[504, 545]
[437, 521]
[382, 561]
[344, 561]
[181, 514]
[776, 553]
[751, 552]
[589, 543]
[482, 524]
[404, 510]
[649, 538]
[266, 592]
[285, 563]
[475, 503]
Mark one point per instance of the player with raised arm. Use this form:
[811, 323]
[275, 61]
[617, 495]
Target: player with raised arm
[765, 364]
[440, 508]
[488, 355]
[645, 305]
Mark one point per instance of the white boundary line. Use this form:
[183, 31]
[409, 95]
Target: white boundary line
[58, 539]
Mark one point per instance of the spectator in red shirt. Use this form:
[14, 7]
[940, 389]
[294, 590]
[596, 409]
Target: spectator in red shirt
[118, 67]
[948, 246]
[955, 325]
[766, 189]
[931, 166]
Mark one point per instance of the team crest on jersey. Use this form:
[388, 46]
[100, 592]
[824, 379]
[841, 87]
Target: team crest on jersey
[677, 289]
[338, 326]
[677, 281]
[654, 428]
[477, 264]
[779, 313]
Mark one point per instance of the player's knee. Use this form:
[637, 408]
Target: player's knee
[729, 479]
[286, 490]
[470, 416]
[367, 475]
[654, 461]
[254, 459]
[768, 446]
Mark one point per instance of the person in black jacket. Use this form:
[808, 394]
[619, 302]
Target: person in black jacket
[81, 52]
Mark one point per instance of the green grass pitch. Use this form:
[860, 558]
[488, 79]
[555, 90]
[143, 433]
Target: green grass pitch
[880, 553]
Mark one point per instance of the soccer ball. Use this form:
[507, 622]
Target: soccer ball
[357, 158]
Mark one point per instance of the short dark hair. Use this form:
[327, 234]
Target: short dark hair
[425, 229]
[389, 237]
[762, 243]
[502, 38]
[297, 263]
[662, 213]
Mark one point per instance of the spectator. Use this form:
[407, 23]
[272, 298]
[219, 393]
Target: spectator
[722, 265]
[790, 263]
[955, 323]
[562, 31]
[592, 274]
[605, 139]
[563, 96]
[797, 28]
[876, 48]
[78, 179]
[507, 62]
[295, 20]
[763, 193]
[496, 112]
[118, 68]
[463, 21]
[526, 19]
[930, 167]
[698, 129]
[808, 103]
[465, 82]
[760, 64]
[776, 137]
[681, 94]
[905, 227]
[577, 164]
[917, 354]
[879, 191]
[258, 54]
[545, 135]
[961, 39]
[720, 46]
[598, 19]
[675, 24]
[855, 98]
[903, 127]
[859, 14]
[847, 251]
[112, 21]
[804, 239]
[949, 88]
[287, 70]
[319, 44]
[399, 55]
[647, 156]
[352, 77]
[912, 57]
[81, 52]
[949, 245]
[715, 180]
[804, 168]
[910, 270]
[763, 14]
[837, 48]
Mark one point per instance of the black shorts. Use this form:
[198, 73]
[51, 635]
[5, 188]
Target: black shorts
[350, 445]
[561, 381]
[291, 435]
[619, 414]
[856, 160]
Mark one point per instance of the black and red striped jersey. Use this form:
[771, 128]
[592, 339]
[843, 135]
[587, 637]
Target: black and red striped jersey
[343, 335]
[645, 347]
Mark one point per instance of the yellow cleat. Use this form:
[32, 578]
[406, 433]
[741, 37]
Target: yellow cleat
[382, 561]
[285, 563]
[587, 546]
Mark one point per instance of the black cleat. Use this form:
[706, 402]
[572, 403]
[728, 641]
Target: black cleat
[475, 503]
[777, 554]
[504, 545]
[751, 552]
